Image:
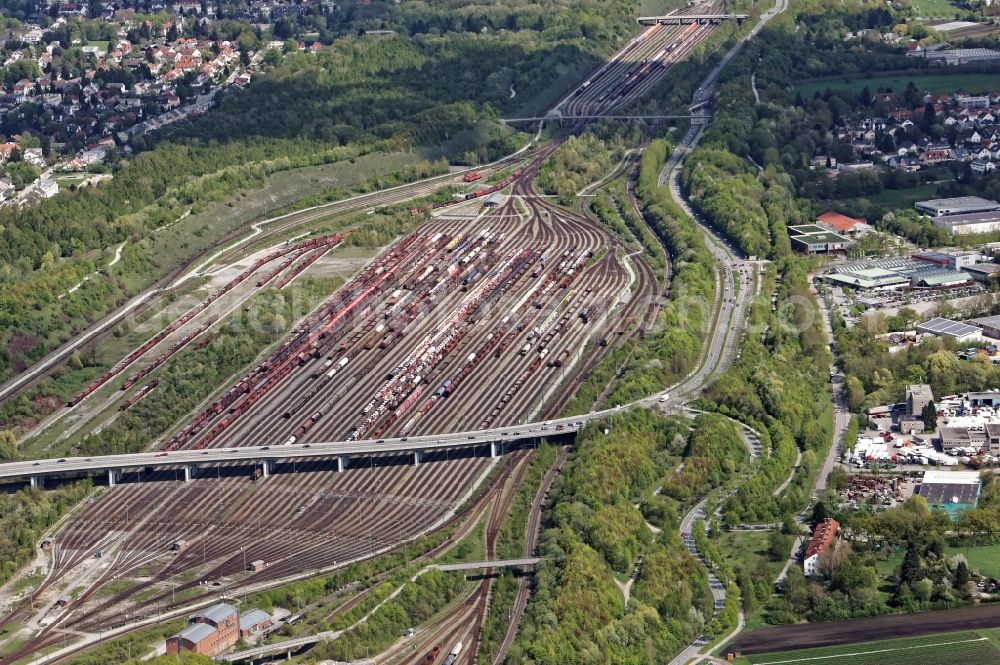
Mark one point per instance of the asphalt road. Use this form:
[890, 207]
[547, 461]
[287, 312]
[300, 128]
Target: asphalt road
[727, 258]
[841, 417]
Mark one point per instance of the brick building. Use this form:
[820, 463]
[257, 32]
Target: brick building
[209, 632]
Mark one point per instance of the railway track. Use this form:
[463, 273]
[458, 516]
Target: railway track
[394, 503]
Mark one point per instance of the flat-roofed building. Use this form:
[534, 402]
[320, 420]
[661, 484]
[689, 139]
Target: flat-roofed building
[952, 261]
[918, 395]
[816, 239]
[868, 278]
[950, 491]
[958, 205]
[952, 438]
[948, 328]
[969, 223]
[982, 271]
[984, 398]
[899, 272]
[940, 279]
[990, 325]
[993, 437]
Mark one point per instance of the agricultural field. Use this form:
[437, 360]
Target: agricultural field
[970, 647]
[937, 84]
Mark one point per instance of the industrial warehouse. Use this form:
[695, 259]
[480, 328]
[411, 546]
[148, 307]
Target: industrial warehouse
[896, 273]
[962, 215]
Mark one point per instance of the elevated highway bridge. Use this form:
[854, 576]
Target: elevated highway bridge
[559, 117]
[687, 19]
[275, 459]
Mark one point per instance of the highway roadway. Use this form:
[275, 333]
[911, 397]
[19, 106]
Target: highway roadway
[511, 435]
[726, 255]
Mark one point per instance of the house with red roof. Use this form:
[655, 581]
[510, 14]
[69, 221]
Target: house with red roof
[842, 223]
[824, 539]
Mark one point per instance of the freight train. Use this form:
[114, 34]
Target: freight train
[472, 195]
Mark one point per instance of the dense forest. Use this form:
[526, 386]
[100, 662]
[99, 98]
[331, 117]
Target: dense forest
[577, 612]
[779, 384]
[24, 515]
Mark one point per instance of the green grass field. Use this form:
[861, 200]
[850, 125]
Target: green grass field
[934, 7]
[936, 84]
[965, 647]
[985, 559]
[891, 198]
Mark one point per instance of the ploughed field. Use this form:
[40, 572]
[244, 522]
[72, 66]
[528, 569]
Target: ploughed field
[964, 647]
[834, 633]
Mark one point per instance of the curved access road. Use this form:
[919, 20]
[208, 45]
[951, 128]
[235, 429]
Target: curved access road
[729, 261]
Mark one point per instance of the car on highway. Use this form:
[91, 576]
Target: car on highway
[307, 445]
[380, 441]
[62, 460]
[471, 437]
[37, 464]
[664, 398]
[160, 455]
[204, 452]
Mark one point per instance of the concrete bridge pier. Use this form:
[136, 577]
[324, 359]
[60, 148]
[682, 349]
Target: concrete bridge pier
[495, 449]
[341, 463]
[114, 475]
[188, 473]
[418, 456]
[35, 482]
[266, 467]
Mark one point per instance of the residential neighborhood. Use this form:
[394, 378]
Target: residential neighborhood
[962, 127]
[72, 104]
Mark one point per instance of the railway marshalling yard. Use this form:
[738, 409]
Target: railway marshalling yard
[483, 316]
